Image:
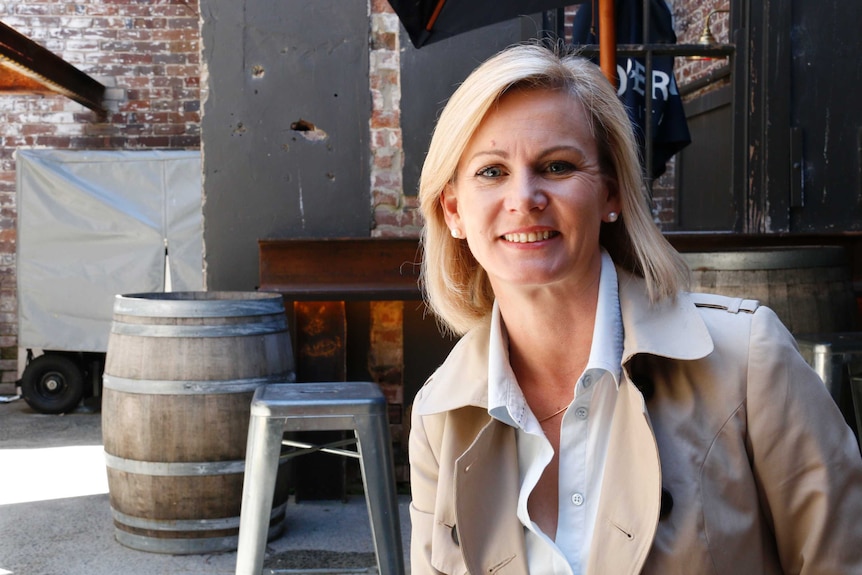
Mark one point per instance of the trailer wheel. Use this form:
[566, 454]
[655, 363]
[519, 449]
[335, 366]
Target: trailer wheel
[52, 383]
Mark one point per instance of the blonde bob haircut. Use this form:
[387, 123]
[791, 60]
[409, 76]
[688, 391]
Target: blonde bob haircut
[455, 286]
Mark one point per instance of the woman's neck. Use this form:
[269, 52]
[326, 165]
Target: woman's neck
[550, 337]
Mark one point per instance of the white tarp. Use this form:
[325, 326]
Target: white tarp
[93, 224]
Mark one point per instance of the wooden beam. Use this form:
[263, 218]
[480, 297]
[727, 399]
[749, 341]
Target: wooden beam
[26, 63]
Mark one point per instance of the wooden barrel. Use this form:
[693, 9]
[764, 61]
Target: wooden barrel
[180, 372]
[808, 287]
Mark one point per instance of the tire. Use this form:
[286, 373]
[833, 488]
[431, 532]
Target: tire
[52, 383]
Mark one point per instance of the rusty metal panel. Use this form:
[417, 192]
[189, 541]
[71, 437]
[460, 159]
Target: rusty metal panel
[286, 109]
[321, 340]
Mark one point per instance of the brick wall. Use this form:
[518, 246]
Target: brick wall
[689, 17]
[395, 214]
[145, 53]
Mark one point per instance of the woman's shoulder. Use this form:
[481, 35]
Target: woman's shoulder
[729, 315]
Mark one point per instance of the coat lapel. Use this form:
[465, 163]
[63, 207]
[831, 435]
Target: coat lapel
[631, 490]
[486, 493]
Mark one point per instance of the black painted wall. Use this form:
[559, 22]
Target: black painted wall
[274, 69]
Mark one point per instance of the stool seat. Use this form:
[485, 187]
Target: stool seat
[356, 406]
[311, 400]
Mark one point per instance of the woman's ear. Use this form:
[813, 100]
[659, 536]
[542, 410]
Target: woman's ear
[614, 201]
[449, 203]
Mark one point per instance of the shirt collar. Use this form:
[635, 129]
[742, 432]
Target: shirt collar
[506, 401]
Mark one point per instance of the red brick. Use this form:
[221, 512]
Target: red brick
[381, 7]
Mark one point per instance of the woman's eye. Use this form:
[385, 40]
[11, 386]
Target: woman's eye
[560, 167]
[490, 172]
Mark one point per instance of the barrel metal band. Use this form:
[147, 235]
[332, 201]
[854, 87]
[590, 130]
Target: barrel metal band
[185, 387]
[771, 259]
[180, 468]
[180, 546]
[172, 469]
[269, 325]
[186, 524]
[169, 305]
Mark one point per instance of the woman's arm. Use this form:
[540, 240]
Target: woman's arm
[805, 458]
[424, 469]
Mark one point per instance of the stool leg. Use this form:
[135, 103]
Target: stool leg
[261, 466]
[378, 476]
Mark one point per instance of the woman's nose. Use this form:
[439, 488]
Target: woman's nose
[526, 193]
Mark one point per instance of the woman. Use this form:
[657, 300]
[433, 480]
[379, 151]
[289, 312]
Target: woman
[595, 418]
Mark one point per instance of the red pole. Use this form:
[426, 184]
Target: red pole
[608, 40]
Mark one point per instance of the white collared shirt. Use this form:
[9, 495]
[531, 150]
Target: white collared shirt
[583, 438]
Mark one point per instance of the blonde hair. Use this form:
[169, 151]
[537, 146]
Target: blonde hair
[456, 287]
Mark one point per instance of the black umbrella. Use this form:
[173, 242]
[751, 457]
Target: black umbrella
[428, 21]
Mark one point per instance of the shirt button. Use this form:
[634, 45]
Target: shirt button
[587, 381]
[582, 412]
[577, 499]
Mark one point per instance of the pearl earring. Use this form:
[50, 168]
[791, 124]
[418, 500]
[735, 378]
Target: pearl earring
[456, 233]
[612, 217]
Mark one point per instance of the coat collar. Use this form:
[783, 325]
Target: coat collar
[670, 328]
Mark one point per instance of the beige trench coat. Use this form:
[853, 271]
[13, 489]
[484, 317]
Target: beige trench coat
[726, 455]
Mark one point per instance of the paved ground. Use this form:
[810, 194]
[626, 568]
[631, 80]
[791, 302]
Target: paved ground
[55, 518]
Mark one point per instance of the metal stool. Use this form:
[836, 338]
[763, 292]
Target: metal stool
[357, 406]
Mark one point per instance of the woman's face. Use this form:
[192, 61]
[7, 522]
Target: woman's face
[529, 195]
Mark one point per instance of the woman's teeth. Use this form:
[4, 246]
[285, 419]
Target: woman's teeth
[527, 238]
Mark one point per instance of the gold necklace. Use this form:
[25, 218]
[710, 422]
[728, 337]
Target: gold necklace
[556, 413]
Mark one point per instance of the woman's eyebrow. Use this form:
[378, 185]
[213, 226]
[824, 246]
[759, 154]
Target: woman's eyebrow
[562, 148]
[493, 153]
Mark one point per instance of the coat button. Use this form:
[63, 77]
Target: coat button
[454, 533]
[666, 504]
[644, 385]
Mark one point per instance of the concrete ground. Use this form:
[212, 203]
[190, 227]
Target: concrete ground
[55, 518]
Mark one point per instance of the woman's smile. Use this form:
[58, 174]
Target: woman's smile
[529, 237]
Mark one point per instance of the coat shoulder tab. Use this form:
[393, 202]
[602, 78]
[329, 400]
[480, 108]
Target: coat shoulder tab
[728, 304]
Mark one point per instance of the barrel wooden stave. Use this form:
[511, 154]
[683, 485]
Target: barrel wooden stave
[175, 428]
